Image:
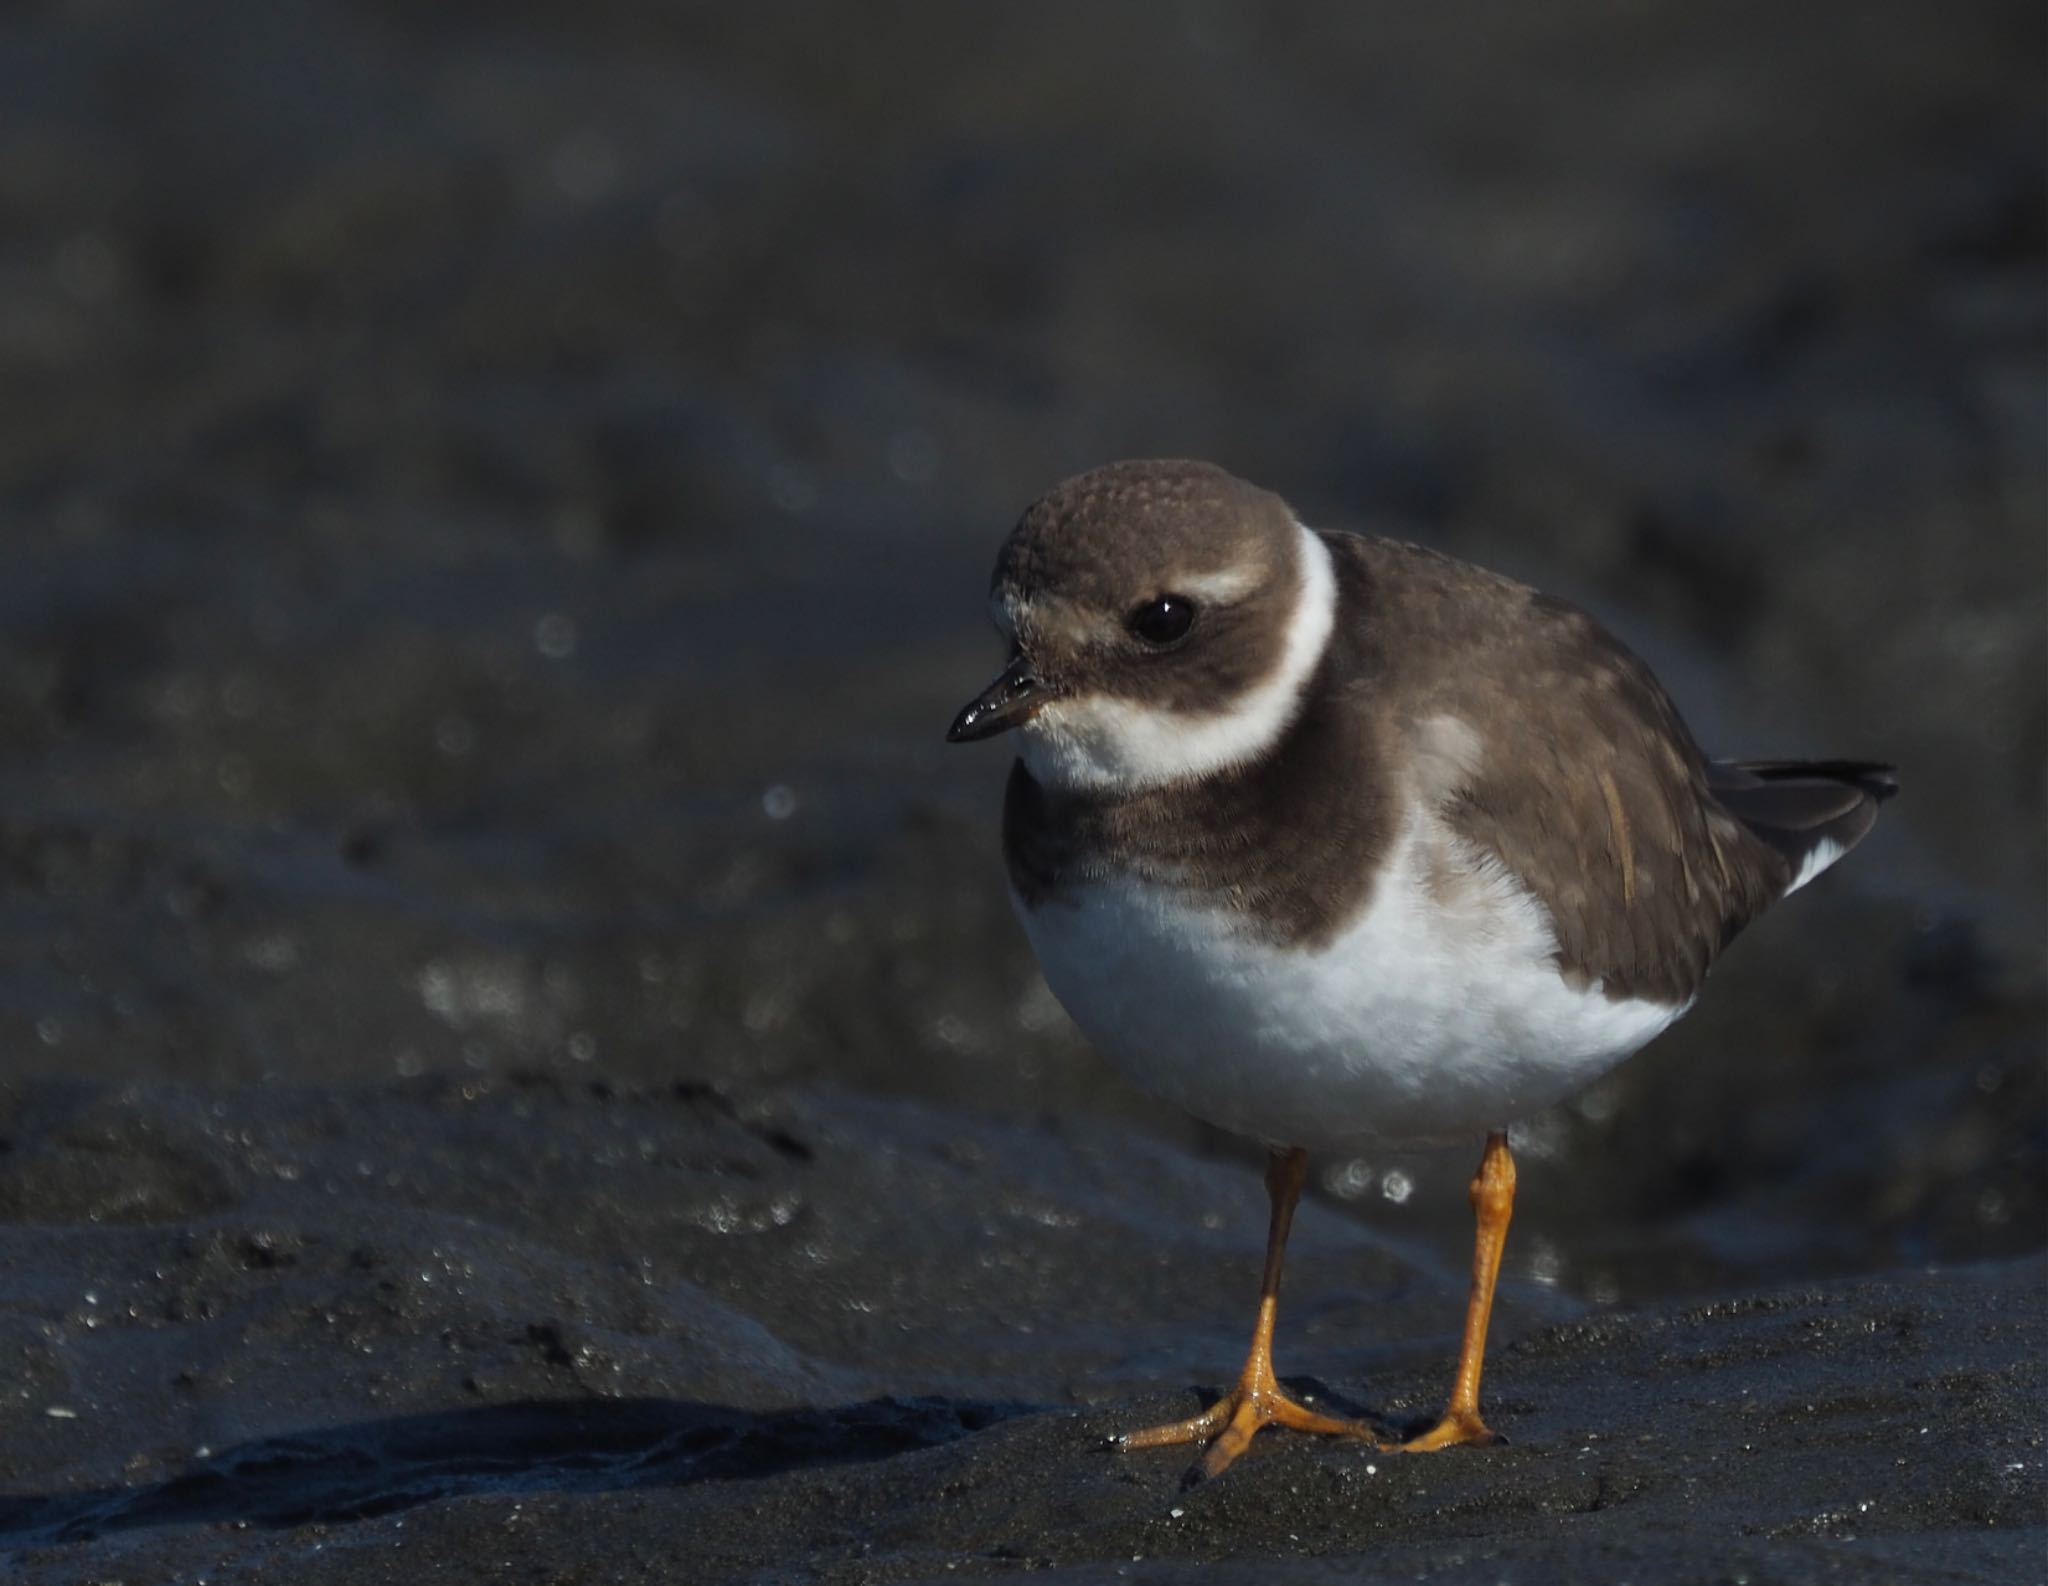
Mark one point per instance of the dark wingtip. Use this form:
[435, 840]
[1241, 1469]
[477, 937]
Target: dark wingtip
[1880, 781]
[1796, 806]
[1878, 778]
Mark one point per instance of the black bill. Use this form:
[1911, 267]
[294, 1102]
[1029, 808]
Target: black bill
[1006, 702]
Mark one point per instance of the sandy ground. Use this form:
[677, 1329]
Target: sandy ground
[517, 1062]
[529, 1331]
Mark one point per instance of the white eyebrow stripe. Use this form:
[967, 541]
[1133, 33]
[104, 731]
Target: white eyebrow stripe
[1218, 589]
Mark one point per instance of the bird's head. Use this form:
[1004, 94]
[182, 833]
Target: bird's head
[1162, 618]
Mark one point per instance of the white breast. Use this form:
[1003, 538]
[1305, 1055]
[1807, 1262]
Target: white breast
[1439, 1010]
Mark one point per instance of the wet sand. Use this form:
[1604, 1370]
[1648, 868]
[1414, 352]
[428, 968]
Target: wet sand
[530, 1331]
[517, 1061]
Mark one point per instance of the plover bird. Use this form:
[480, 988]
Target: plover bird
[1330, 839]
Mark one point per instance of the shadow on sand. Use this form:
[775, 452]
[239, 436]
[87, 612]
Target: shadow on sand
[377, 1467]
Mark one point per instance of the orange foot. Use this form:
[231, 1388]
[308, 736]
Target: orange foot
[1228, 1424]
[1458, 1427]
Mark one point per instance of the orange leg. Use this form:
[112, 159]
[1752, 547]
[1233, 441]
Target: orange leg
[1493, 1203]
[1257, 1400]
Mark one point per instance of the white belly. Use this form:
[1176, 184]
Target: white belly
[1427, 1016]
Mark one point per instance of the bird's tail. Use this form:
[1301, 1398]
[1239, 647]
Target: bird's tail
[1811, 811]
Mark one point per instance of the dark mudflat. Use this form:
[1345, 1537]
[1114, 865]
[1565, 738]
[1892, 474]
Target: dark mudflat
[441, 1331]
[517, 1062]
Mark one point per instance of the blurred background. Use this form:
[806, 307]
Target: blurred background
[495, 503]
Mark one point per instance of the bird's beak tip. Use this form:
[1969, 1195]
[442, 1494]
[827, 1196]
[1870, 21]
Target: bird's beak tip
[1011, 700]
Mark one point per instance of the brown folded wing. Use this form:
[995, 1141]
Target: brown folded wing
[1586, 785]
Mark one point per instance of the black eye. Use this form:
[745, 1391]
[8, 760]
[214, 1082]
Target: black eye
[1163, 621]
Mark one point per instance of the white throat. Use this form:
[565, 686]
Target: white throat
[1100, 742]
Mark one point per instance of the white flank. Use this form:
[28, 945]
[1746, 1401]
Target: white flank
[1096, 741]
[1818, 858]
[1429, 1015]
